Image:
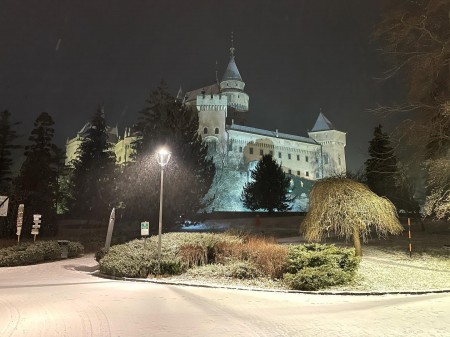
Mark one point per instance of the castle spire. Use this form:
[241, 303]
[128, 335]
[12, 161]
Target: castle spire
[232, 45]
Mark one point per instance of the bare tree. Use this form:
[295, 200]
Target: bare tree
[350, 210]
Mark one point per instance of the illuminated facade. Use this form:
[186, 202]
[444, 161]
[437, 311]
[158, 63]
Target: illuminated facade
[236, 148]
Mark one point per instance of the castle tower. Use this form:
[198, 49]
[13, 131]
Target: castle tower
[233, 86]
[332, 151]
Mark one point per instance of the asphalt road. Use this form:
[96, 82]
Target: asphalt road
[64, 299]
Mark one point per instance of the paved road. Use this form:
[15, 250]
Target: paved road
[64, 299]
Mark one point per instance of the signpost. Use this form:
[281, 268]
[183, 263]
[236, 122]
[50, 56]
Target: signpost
[112, 220]
[19, 221]
[4, 205]
[145, 228]
[36, 226]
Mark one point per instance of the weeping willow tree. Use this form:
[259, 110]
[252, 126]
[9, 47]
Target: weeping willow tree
[349, 209]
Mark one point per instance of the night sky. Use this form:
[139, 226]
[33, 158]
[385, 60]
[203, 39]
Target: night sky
[296, 57]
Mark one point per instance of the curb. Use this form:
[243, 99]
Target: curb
[340, 293]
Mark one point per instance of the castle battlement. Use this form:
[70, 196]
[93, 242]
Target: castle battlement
[212, 102]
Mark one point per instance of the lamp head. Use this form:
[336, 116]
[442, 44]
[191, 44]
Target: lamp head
[163, 156]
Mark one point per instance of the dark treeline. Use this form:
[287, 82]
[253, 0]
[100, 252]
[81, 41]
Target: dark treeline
[92, 184]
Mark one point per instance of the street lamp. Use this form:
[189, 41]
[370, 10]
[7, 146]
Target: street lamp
[163, 157]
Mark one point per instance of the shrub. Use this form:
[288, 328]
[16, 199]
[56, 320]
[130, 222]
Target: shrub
[242, 270]
[31, 253]
[269, 257]
[100, 254]
[180, 251]
[75, 249]
[316, 266]
[315, 278]
[51, 249]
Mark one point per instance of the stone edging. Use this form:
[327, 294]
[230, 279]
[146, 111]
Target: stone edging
[342, 293]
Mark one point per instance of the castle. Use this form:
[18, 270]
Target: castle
[222, 109]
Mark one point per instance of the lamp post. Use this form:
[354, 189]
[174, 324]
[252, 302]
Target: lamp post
[163, 157]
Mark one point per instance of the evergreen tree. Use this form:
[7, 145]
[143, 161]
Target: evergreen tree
[7, 137]
[381, 167]
[92, 180]
[36, 185]
[189, 175]
[269, 188]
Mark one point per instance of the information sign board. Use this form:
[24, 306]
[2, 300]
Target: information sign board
[145, 228]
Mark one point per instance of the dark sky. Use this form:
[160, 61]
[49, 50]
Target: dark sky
[296, 57]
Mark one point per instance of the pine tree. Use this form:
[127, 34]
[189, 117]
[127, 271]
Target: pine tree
[167, 122]
[93, 174]
[36, 185]
[7, 137]
[381, 167]
[269, 188]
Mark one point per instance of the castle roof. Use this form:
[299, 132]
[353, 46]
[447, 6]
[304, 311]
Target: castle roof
[191, 96]
[232, 72]
[322, 124]
[274, 134]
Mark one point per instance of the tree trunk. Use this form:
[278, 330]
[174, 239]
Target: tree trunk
[357, 242]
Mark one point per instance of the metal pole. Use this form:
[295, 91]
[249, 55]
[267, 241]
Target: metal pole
[160, 213]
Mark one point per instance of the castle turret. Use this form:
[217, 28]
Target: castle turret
[332, 141]
[233, 86]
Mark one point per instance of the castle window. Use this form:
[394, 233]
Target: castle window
[216, 131]
[251, 150]
[298, 157]
[339, 160]
[289, 156]
[306, 158]
[298, 173]
[279, 154]
[290, 172]
[317, 175]
[307, 173]
[240, 149]
[271, 152]
[325, 159]
[205, 131]
[261, 152]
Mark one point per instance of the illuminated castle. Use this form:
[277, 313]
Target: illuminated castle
[222, 109]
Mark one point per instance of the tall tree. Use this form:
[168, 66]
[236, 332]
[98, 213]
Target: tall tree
[7, 137]
[269, 187]
[415, 37]
[381, 167]
[36, 185]
[93, 183]
[165, 121]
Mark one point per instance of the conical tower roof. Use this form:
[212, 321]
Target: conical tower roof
[322, 124]
[232, 72]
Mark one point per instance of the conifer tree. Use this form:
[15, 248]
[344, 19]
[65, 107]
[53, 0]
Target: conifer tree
[166, 122]
[7, 137]
[269, 188]
[381, 167]
[93, 174]
[36, 185]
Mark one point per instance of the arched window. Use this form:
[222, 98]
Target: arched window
[205, 131]
[216, 131]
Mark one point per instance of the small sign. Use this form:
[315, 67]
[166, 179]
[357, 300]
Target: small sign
[20, 215]
[36, 226]
[145, 228]
[4, 205]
